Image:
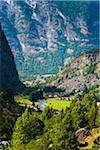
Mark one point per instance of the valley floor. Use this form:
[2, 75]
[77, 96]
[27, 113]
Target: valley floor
[56, 103]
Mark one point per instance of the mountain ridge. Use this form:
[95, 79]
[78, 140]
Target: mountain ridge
[9, 80]
[82, 73]
[42, 35]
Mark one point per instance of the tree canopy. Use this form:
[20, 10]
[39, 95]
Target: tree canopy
[55, 131]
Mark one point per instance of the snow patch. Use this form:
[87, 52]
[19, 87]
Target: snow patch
[70, 51]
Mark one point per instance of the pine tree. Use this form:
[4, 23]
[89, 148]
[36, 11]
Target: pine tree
[27, 127]
[97, 118]
[47, 114]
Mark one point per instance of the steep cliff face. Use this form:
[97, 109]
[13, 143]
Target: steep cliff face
[42, 34]
[81, 73]
[9, 81]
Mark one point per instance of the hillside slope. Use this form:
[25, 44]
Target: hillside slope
[80, 74]
[9, 80]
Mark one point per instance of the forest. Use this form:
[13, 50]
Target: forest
[55, 129]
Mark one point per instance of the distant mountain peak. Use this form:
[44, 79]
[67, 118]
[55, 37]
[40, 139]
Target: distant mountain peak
[53, 30]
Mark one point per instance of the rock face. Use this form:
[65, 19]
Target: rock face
[9, 81]
[43, 34]
[81, 73]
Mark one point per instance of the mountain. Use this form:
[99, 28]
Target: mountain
[9, 80]
[45, 34]
[79, 74]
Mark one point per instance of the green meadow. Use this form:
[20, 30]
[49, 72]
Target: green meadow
[57, 103]
[23, 100]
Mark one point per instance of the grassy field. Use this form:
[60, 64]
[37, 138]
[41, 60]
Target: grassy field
[57, 103]
[24, 100]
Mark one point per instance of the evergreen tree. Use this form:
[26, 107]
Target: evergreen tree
[47, 114]
[58, 133]
[89, 109]
[6, 121]
[83, 111]
[2, 101]
[97, 118]
[27, 127]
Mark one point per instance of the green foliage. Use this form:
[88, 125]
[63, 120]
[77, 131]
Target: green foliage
[96, 90]
[47, 114]
[23, 100]
[57, 133]
[96, 147]
[68, 136]
[89, 108]
[36, 95]
[53, 129]
[83, 111]
[97, 118]
[27, 127]
[6, 121]
[57, 103]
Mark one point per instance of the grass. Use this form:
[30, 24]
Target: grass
[24, 100]
[57, 103]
